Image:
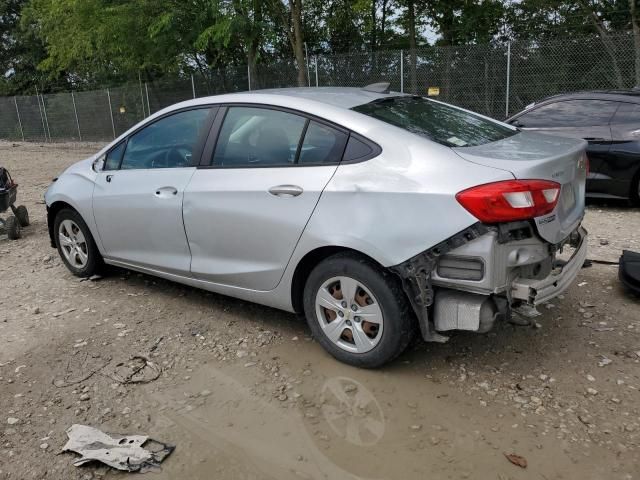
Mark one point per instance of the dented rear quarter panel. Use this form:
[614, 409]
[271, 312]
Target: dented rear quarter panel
[398, 204]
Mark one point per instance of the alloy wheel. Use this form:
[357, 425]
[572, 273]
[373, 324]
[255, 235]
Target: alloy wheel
[73, 244]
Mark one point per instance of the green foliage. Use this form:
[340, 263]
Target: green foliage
[61, 44]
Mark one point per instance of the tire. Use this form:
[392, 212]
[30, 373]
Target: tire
[379, 288]
[23, 215]
[79, 251]
[12, 227]
[634, 195]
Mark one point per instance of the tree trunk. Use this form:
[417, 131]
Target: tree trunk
[411, 14]
[254, 44]
[383, 21]
[609, 46]
[636, 39]
[373, 40]
[298, 43]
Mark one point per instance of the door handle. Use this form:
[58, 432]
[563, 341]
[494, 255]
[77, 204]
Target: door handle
[108, 178]
[595, 139]
[286, 190]
[166, 192]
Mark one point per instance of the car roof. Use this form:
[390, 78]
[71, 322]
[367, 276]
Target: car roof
[342, 97]
[631, 95]
[345, 97]
[622, 95]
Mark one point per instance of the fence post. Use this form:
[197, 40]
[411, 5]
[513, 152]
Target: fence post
[141, 96]
[306, 56]
[75, 112]
[249, 75]
[146, 89]
[508, 79]
[46, 118]
[44, 129]
[193, 86]
[113, 125]
[401, 71]
[315, 62]
[19, 120]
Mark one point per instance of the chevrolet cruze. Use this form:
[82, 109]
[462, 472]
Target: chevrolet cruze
[376, 214]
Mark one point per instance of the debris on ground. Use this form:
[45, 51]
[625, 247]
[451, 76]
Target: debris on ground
[629, 270]
[138, 369]
[123, 452]
[516, 459]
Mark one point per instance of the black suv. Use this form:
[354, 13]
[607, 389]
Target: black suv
[609, 121]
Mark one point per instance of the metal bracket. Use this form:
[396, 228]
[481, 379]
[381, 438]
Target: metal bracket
[416, 277]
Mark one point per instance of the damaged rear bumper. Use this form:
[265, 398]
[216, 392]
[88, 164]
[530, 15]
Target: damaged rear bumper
[535, 292]
[475, 277]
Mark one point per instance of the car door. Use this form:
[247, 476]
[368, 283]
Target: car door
[247, 206]
[622, 165]
[137, 199]
[584, 118]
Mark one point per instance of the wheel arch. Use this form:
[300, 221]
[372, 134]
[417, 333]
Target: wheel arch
[52, 212]
[308, 262]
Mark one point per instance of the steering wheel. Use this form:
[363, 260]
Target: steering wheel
[172, 158]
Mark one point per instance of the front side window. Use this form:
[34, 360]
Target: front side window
[436, 121]
[166, 143]
[258, 137]
[112, 159]
[570, 113]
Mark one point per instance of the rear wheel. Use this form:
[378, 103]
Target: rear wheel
[23, 215]
[75, 244]
[358, 311]
[12, 226]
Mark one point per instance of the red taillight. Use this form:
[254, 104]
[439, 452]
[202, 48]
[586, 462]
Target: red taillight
[510, 200]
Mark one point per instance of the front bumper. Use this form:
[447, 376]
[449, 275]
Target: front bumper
[535, 292]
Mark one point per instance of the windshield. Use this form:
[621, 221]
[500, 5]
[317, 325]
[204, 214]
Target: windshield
[436, 121]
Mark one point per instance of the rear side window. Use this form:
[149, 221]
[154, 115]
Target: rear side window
[112, 160]
[627, 113]
[570, 113]
[322, 144]
[258, 137]
[436, 121]
[358, 149]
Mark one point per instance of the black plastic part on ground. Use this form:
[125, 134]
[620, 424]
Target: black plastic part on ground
[629, 271]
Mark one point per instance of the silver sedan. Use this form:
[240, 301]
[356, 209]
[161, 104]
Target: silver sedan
[378, 215]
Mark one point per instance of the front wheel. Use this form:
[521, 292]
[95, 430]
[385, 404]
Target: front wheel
[75, 244]
[358, 311]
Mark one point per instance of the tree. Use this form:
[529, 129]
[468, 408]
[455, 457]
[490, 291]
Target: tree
[635, 25]
[412, 11]
[290, 17]
[21, 50]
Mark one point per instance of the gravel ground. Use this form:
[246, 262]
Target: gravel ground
[244, 392]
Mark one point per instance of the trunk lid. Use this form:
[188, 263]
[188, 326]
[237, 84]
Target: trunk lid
[530, 156]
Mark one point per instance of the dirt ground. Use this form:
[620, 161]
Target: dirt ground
[244, 392]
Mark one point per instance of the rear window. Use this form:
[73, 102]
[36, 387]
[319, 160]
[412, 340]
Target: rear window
[436, 121]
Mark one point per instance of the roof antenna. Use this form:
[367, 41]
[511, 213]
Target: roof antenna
[380, 87]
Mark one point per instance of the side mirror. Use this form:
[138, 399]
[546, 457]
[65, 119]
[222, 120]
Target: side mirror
[98, 164]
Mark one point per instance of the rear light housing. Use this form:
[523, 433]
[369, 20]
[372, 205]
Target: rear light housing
[510, 200]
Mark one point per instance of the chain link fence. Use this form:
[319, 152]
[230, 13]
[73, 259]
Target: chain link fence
[495, 79]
